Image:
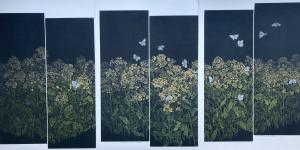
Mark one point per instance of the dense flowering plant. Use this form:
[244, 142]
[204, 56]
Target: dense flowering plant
[228, 98]
[174, 120]
[277, 92]
[71, 99]
[23, 96]
[124, 97]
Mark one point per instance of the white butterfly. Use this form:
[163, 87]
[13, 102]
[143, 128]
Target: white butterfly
[169, 98]
[143, 42]
[247, 69]
[75, 84]
[240, 97]
[276, 24]
[136, 57]
[161, 47]
[240, 43]
[184, 63]
[292, 81]
[262, 34]
[210, 79]
[234, 36]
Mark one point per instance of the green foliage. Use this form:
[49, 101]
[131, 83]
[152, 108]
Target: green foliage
[174, 120]
[124, 98]
[23, 96]
[277, 92]
[228, 98]
[71, 94]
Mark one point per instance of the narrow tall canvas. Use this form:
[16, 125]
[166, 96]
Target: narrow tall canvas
[71, 82]
[173, 80]
[228, 79]
[23, 118]
[124, 47]
[277, 74]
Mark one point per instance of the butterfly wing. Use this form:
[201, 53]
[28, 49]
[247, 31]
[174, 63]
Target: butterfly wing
[240, 43]
[143, 42]
[234, 36]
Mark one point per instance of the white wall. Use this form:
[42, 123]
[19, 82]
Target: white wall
[90, 8]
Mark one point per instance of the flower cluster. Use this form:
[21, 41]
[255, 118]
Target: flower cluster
[124, 97]
[228, 98]
[173, 101]
[23, 96]
[172, 81]
[277, 92]
[71, 94]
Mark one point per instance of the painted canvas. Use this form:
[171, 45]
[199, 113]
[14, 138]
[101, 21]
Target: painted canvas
[228, 79]
[277, 74]
[71, 82]
[23, 118]
[174, 80]
[124, 45]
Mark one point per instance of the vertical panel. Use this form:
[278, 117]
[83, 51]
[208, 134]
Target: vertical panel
[22, 79]
[71, 83]
[173, 76]
[228, 75]
[124, 75]
[277, 71]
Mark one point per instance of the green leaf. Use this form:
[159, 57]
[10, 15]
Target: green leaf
[90, 99]
[69, 108]
[214, 134]
[243, 125]
[139, 115]
[185, 130]
[272, 104]
[223, 103]
[115, 111]
[230, 105]
[135, 132]
[124, 120]
[177, 126]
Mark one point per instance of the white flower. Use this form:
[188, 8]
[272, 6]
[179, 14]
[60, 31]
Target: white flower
[234, 36]
[184, 63]
[169, 98]
[276, 25]
[262, 34]
[160, 47]
[240, 97]
[240, 43]
[210, 79]
[143, 42]
[247, 69]
[292, 81]
[136, 57]
[75, 84]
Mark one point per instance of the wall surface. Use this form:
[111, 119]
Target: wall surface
[91, 8]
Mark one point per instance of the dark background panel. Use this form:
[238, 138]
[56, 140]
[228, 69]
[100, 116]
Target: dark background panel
[120, 33]
[282, 41]
[179, 35]
[20, 34]
[219, 24]
[69, 38]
